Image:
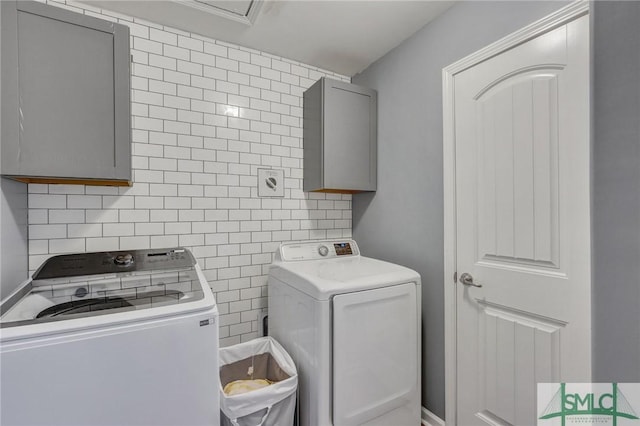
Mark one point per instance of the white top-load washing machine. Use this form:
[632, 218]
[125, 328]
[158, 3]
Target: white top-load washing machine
[352, 326]
[111, 338]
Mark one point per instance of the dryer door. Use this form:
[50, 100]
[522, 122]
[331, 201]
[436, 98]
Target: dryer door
[375, 356]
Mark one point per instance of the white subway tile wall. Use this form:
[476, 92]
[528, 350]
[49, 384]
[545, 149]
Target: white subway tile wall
[205, 115]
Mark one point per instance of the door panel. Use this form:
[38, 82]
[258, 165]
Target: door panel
[518, 172]
[375, 355]
[522, 225]
[519, 350]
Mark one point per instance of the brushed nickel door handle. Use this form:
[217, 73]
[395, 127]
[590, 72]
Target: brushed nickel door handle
[467, 279]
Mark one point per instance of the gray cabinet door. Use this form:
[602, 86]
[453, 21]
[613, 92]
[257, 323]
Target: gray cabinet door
[65, 104]
[340, 137]
[349, 137]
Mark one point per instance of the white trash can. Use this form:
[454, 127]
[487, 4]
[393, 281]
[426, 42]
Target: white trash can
[273, 405]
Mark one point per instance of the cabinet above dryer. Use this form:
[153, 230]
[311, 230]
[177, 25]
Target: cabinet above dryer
[340, 137]
[66, 114]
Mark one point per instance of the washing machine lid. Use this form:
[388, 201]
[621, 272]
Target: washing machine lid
[86, 286]
[326, 275]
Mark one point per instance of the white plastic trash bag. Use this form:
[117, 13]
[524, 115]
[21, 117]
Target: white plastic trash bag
[273, 405]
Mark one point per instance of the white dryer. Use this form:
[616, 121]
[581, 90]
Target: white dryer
[352, 326]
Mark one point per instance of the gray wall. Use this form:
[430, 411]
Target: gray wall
[403, 221]
[616, 191]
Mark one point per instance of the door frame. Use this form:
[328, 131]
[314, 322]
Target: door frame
[560, 17]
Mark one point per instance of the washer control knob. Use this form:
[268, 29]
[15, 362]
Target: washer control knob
[123, 259]
[323, 250]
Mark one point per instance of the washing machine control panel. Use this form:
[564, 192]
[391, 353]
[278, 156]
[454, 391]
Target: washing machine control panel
[78, 264]
[316, 250]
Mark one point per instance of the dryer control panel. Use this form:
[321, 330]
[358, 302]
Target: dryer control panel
[318, 250]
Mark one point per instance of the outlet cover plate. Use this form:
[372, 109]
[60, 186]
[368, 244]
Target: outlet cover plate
[270, 183]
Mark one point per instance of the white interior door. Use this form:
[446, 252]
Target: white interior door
[522, 225]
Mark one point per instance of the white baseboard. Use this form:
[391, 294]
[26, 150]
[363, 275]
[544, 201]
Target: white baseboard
[430, 419]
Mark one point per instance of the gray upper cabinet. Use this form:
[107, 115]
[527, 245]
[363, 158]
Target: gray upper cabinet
[66, 113]
[340, 137]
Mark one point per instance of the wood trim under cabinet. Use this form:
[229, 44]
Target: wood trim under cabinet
[338, 191]
[63, 181]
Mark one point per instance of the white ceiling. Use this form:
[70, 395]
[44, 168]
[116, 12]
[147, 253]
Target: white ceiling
[342, 36]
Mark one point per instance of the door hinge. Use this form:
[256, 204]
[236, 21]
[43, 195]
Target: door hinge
[455, 277]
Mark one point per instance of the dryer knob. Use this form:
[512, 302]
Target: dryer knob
[323, 250]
